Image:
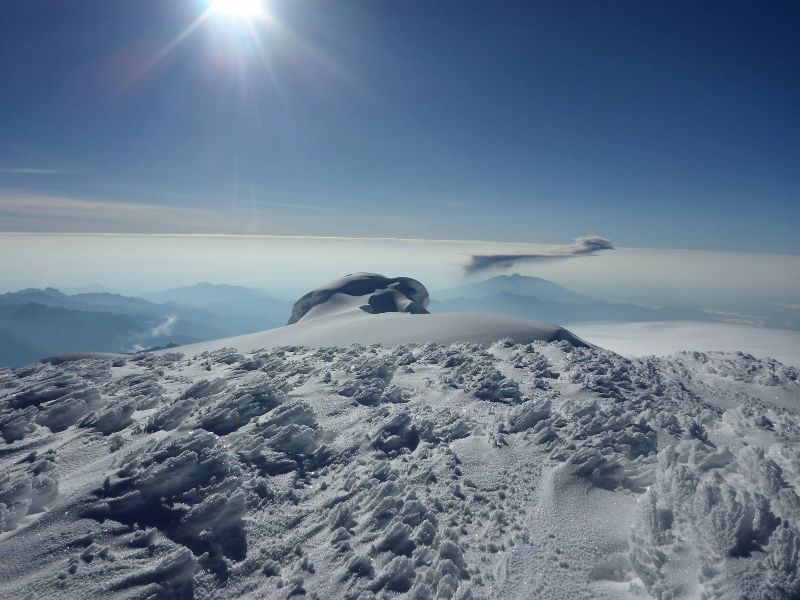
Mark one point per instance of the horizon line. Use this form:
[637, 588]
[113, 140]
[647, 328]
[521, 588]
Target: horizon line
[370, 239]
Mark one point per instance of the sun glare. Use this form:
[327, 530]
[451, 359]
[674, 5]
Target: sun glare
[238, 8]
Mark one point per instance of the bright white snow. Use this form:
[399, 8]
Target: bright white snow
[355, 326]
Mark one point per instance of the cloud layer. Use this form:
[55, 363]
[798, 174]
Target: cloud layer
[582, 246]
[665, 337]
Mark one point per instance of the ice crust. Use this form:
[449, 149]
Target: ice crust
[462, 470]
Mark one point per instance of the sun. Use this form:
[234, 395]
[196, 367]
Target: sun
[244, 9]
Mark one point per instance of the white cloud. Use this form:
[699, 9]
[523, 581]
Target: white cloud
[46, 213]
[165, 327]
[582, 246]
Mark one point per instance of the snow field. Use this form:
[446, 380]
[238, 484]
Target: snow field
[415, 471]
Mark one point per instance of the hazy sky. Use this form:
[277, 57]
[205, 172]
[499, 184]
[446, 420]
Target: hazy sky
[654, 124]
[289, 267]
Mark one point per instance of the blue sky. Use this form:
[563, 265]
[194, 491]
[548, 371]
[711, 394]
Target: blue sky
[671, 124]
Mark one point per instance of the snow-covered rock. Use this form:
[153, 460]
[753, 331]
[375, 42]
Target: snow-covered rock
[370, 292]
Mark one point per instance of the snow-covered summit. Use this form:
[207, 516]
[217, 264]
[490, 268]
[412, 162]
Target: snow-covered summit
[367, 308]
[369, 292]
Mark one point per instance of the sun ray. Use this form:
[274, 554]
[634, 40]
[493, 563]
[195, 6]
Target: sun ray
[166, 50]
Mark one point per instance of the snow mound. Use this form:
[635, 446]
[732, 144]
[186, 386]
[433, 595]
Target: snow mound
[370, 292]
[358, 327]
[365, 308]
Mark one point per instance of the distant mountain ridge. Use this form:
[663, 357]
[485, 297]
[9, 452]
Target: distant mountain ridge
[35, 322]
[516, 284]
[537, 298]
[225, 298]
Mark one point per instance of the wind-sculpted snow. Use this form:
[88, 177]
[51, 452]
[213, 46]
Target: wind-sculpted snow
[186, 487]
[415, 471]
[27, 489]
[376, 294]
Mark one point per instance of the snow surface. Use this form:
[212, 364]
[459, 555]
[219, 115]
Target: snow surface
[414, 471]
[355, 326]
[297, 463]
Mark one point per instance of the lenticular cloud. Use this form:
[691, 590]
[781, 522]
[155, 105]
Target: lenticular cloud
[582, 246]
